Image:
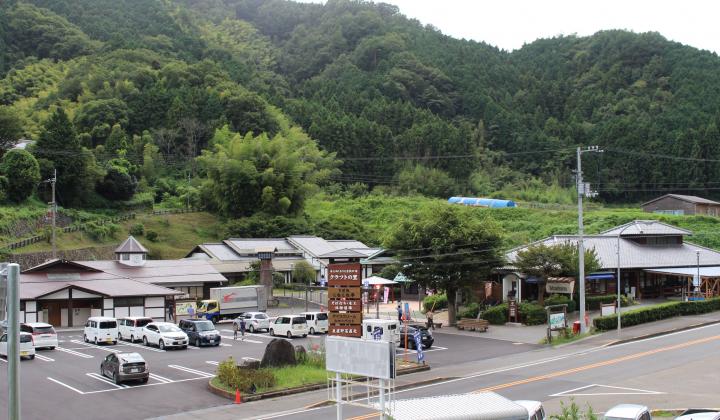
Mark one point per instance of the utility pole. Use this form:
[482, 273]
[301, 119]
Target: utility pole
[582, 189]
[188, 192]
[13, 341]
[53, 206]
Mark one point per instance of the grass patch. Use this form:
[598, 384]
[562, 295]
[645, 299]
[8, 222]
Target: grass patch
[294, 376]
[564, 339]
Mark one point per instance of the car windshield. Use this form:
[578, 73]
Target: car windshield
[143, 322]
[322, 317]
[25, 338]
[261, 316]
[168, 328]
[131, 358]
[108, 324]
[205, 326]
[298, 320]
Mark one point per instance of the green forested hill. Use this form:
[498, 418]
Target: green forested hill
[147, 85]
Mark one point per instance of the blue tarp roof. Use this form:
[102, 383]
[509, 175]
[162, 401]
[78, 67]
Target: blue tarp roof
[482, 202]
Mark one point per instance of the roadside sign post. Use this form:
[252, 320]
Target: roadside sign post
[345, 299]
[557, 319]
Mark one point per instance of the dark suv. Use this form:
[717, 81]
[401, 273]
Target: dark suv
[200, 332]
[425, 336]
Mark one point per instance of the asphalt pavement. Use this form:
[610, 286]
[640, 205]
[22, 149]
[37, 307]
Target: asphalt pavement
[66, 382]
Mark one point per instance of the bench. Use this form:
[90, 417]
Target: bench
[473, 324]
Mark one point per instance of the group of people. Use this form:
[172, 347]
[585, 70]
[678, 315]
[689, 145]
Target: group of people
[241, 328]
[429, 314]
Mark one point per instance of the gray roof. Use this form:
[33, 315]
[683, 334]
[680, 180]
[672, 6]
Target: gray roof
[343, 253]
[250, 245]
[221, 252]
[318, 247]
[131, 246]
[162, 271]
[688, 198]
[646, 228]
[632, 254]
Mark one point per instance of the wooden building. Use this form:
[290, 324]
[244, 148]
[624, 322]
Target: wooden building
[682, 204]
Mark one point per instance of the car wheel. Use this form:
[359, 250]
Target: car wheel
[312, 331]
[145, 342]
[183, 347]
[144, 380]
[252, 329]
[51, 348]
[95, 341]
[120, 337]
[85, 339]
[132, 339]
[161, 345]
[32, 356]
[271, 331]
[197, 342]
[116, 379]
[289, 334]
[304, 335]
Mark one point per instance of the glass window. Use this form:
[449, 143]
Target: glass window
[297, 320]
[261, 316]
[285, 320]
[45, 330]
[108, 324]
[26, 328]
[168, 328]
[204, 326]
[324, 316]
[308, 317]
[3, 338]
[24, 338]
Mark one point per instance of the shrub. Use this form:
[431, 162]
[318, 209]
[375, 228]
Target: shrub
[594, 302]
[101, 231]
[152, 236]
[560, 300]
[656, 313]
[246, 380]
[435, 302]
[496, 315]
[470, 311]
[138, 229]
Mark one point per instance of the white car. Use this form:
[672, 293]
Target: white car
[317, 322]
[628, 412]
[44, 335]
[130, 327]
[290, 326]
[699, 414]
[535, 409]
[164, 334]
[254, 321]
[99, 329]
[27, 348]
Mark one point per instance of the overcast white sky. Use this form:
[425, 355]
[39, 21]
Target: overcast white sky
[509, 24]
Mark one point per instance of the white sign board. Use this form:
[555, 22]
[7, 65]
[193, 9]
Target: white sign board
[607, 309]
[358, 356]
[557, 321]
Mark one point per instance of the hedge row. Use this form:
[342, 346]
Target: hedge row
[530, 314]
[435, 302]
[594, 302]
[656, 313]
[560, 300]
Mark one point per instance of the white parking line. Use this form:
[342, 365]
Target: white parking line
[106, 380]
[140, 346]
[3, 360]
[44, 358]
[434, 348]
[95, 346]
[161, 378]
[193, 371]
[74, 353]
[66, 386]
[212, 362]
[244, 340]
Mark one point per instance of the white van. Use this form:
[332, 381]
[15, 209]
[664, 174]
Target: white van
[130, 327]
[317, 322]
[386, 329]
[535, 409]
[99, 329]
[26, 348]
[290, 326]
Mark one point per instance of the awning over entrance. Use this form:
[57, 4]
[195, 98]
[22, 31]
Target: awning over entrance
[601, 276]
[713, 271]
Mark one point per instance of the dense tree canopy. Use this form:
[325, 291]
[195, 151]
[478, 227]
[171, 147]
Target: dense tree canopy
[22, 172]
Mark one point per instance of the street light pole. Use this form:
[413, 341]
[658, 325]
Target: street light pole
[699, 282]
[582, 189]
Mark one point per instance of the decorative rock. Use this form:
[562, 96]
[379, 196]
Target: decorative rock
[279, 353]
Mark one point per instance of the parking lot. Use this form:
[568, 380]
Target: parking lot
[66, 382]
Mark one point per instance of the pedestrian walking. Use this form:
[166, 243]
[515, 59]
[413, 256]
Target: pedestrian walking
[400, 312]
[242, 329]
[430, 323]
[235, 330]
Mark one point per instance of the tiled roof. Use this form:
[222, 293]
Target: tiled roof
[343, 253]
[163, 271]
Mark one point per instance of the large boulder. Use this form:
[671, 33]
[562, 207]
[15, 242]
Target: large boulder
[279, 353]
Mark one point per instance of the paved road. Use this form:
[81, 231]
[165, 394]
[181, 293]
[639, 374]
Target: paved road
[63, 383]
[678, 370]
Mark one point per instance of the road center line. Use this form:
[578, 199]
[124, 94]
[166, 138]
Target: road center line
[597, 365]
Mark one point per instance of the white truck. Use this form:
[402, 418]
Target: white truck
[480, 406]
[231, 302]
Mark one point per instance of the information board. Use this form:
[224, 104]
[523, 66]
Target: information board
[375, 359]
[345, 305]
[346, 318]
[344, 299]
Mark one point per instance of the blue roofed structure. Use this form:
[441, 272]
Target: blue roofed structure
[482, 202]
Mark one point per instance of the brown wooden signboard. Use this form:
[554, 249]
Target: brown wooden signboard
[348, 318]
[346, 330]
[345, 274]
[344, 292]
[345, 305]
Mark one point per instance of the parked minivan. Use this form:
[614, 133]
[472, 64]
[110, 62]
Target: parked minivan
[100, 329]
[200, 331]
[535, 409]
[290, 326]
[130, 327]
[44, 335]
[317, 322]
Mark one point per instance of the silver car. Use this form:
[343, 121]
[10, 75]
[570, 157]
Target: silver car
[254, 321]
